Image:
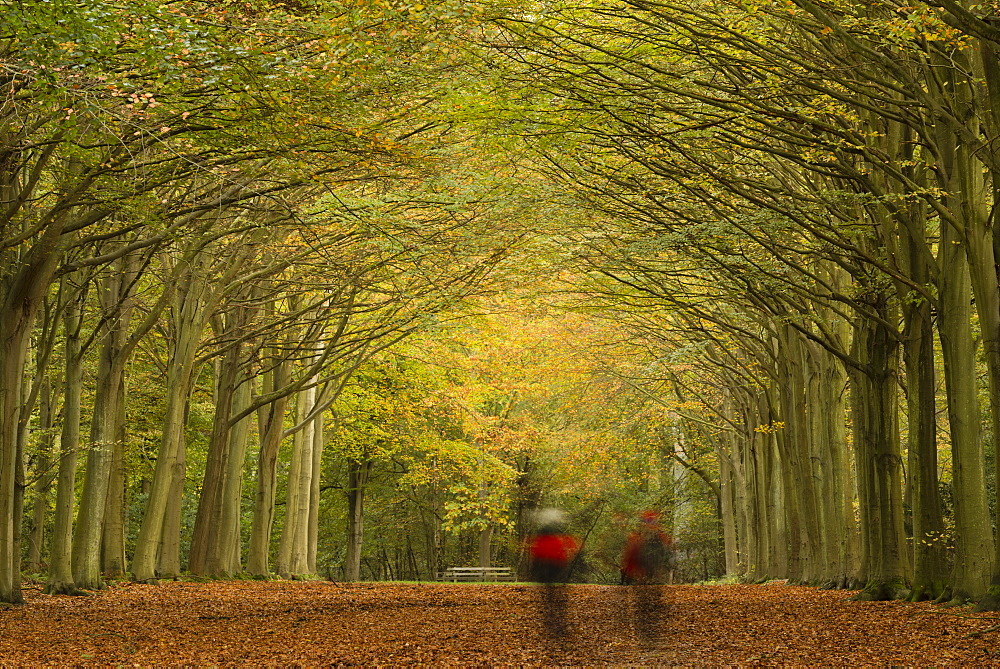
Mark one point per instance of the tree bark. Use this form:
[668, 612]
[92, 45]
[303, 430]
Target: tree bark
[885, 564]
[224, 552]
[158, 543]
[107, 427]
[930, 578]
[828, 415]
[358, 473]
[207, 520]
[319, 442]
[44, 475]
[293, 551]
[798, 455]
[730, 551]
[60, 580]
[270, 419]
[974, 556]
[114, 563]
[485, 546]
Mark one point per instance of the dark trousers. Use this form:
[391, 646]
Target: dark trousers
[552, 576]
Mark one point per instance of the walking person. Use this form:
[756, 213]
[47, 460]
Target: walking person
[646, 565]
[552, 551]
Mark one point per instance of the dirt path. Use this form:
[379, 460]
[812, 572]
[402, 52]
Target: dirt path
[314, 623]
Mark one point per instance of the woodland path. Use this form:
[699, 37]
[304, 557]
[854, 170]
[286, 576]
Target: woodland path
[321, 623]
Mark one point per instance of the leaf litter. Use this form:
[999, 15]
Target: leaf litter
[320, 622]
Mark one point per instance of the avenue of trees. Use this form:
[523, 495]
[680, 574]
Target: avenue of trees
[801, 196]
[352, 288]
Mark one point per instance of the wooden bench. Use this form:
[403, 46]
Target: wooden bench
[456, 574]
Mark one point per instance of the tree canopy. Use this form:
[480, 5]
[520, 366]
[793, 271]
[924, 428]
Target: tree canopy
[356, 288]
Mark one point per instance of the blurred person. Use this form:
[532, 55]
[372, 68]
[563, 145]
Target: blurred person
[646, 566]
[552, 551]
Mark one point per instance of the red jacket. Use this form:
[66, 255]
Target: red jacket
[554, 548]
[636, 560]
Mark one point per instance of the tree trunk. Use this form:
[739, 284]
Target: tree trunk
[929, 560]
[319, 442]
[60, 579]
[293, 551]
[727, 510]
[224, 552]
[357, 481]
[44, 475]
[168, 564]
[206, 524]
[986, 284]
[107, 433]
[956, 81]
[485, 546]
[763, 561]
[113, 561]
[270, 419]
[885, 564]
[23, 290]
[773, 497]
[158, 543]
[797, 457]
[745, 530]
[828, 418]
[104, 431]
[974, 555]
[19, 488]
[756, 532]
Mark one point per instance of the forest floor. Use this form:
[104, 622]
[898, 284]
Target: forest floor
[322, 623]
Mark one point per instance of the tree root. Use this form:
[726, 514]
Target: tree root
[881, 591]
[930, 590]
[64, 588]
[990, 601]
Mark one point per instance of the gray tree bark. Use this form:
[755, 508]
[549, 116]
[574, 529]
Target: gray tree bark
[44, 476]
[358, 473]
[974, 555]
[60, 580]
[157, 549]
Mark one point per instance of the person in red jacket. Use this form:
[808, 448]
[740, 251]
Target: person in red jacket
[552, 551]
[648, 550]
[646, 566]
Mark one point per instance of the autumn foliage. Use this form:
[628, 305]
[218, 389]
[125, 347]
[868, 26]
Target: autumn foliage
[313, 623]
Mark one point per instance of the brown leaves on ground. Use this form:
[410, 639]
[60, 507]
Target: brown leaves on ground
[312, 623]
